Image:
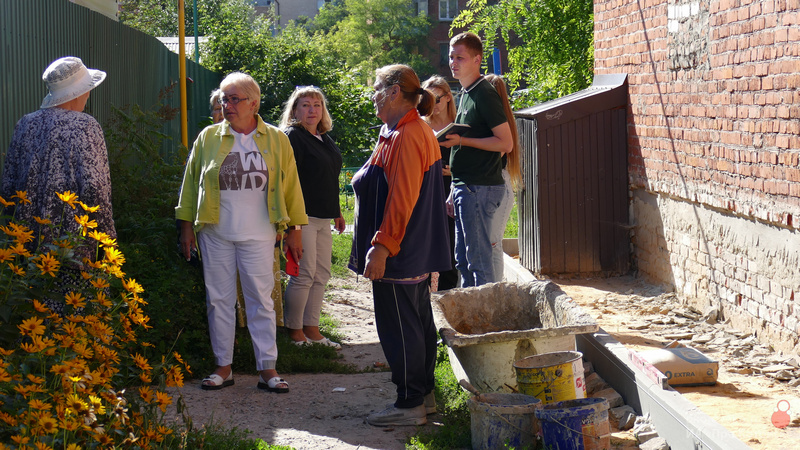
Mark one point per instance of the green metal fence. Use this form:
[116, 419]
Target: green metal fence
[33, 33]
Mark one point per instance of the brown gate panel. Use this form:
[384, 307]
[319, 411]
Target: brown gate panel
[574, 209]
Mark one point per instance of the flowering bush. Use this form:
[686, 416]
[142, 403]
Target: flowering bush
[73, 373]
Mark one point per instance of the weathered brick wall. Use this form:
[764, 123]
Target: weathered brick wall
[714, 147]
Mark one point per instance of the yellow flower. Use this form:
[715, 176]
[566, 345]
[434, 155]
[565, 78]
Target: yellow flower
[73, 447]
[146, 377]
[81, 349]
[33, 347]
[4, 352]
[76, 300]
[20, 233]
[32, 326]
[20, 250]
[97, 404]
[17, 269]
[85, 223]
[20, 440]
[48, 424]
[75, 404]
[102, 300]
[5, 377]
[104, 439]
[63, 243]
[174, 377]
[69, 198]
[141, 362]
[6, 254]
[114, 256]
[90, 209]
[163, 400]
[48, 265]
[23, 197]
[41, 446]
[38, 404]
[97, 235]
[34, 379]
[6, 202]
[8, 418]
[40, 307]
[41, 221]
[108, 242]
[132, 286]
[146, 393]
[85, 275]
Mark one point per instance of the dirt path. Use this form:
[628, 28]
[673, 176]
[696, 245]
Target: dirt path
[322, 411]
[327, 411]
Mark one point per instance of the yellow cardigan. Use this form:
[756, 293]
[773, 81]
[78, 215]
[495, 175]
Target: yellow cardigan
[199, 198]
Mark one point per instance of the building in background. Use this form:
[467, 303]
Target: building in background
[440, 12]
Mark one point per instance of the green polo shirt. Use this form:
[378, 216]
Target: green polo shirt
[481, 108]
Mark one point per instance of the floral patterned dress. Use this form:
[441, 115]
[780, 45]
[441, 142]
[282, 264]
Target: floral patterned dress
[56, 150]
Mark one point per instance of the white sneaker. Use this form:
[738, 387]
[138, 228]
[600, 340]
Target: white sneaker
[392, 416]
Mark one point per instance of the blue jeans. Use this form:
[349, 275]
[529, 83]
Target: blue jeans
[475, 207]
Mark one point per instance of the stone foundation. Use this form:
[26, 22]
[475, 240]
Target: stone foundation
[709, 257]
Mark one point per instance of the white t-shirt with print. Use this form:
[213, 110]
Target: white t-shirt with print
[243, 180]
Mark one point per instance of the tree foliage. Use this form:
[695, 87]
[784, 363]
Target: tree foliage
[367, 34]
[550, 42]
[240, 40]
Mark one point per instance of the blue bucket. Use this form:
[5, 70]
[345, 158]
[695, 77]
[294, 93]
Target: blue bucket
[580, 424]
[499, 421]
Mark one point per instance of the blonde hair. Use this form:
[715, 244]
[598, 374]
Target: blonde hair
[439, 82]
[289, 120]
[216, 96]
[246, 83]
[408, 81]
[512, 158]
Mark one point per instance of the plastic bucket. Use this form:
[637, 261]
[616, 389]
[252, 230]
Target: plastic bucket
[499, 421]
[551, 377]
[580, 424]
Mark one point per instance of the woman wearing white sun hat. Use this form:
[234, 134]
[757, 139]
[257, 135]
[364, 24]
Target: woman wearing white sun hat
[60, 148]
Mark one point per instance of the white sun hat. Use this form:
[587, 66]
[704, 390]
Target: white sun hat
[67, 79]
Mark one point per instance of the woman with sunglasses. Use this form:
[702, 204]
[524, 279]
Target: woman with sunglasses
[442, 115]
[239, 190]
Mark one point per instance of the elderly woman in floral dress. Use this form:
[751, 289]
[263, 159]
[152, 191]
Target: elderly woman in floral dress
[57, 149]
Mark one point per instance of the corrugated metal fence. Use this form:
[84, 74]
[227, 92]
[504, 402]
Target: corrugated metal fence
[36, 32]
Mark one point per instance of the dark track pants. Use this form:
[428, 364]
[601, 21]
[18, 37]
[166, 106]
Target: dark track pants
[407, 333]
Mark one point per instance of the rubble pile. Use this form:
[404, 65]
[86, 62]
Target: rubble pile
[663, 316]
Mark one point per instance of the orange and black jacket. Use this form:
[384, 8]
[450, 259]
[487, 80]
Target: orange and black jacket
[401, 202]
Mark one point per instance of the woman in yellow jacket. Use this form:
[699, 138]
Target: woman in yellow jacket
[239, 190]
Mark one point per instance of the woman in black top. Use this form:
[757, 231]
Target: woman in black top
[306, 121]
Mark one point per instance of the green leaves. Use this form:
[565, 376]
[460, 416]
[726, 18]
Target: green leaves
[550, 43]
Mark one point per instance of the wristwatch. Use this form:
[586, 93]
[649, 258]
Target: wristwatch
[295, 227]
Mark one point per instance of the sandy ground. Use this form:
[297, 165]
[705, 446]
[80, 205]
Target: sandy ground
[744, 404]
[327, 411]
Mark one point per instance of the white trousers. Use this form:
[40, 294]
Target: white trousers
[254, 260]
[305, 292]
[499, 227]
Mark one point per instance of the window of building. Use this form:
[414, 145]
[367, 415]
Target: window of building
[262, 2]
[448, 9]
[444, 54]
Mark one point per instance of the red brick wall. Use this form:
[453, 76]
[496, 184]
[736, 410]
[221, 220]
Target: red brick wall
[714, 122]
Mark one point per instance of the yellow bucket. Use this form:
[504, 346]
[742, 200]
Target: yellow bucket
[551, 377]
